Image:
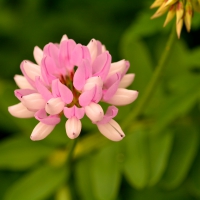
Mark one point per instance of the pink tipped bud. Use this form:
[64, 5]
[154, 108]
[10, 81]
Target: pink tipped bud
[93, 48]
[41, 131]
[38, 54]
[33, 101]
[32, 70]
[73, 127]
[54, 106]
[20, 111]
[22, 82]
[64, 37]
[117, 67]
[111, 130]
[91, 82]
[123, 97]
[94, 112]
[126, 80]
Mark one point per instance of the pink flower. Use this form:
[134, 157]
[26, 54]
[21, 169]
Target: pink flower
[72, 79]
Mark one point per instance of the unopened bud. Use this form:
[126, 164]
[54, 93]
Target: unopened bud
[170, 15]
[179, 26]
[160, 10]
[188, 15]
[179, 11]
[157, 3]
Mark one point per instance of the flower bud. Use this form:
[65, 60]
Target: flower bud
[94, 112]
[73, 127]
[20, 111]
[41, 131]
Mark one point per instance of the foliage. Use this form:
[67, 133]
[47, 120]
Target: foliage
[160, 156]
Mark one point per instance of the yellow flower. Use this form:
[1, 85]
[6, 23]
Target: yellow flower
[183, 9]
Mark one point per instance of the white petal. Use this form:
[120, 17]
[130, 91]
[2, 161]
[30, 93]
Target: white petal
[64, 37]
[41, 131]
[20, 111]
[22, 82]
[123, 97]
[34, 101]
[73, 127]
[126, 80]
[111, 130]
[32, 70]
[38, 55]
[91, 82]
[94, 112]
[54, 106]
[117, 67]
[93, 48]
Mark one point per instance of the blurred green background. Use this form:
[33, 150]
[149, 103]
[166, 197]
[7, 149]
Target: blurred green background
[159, 159]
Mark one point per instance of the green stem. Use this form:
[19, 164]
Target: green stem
[153, 82]
[71, 151]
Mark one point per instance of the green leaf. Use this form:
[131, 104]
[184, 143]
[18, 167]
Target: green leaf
[136, 166]
[159, 150]
[83, 179]
[179, 103]
[183, 153]
[105, 171]
[21, 153]
[38, 184]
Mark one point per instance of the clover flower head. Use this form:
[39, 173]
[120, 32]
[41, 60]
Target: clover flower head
[72, 79]
[183, 9]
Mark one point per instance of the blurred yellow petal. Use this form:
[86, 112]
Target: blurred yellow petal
[170, 15]
[179, 26]
[157, 3]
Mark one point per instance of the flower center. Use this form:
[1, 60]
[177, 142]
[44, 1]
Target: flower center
[68, 81]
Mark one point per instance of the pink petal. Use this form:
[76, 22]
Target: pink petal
[65, 54]
[22, 82]
[42, 89]
[41, 131]
[117, 67]
[123, 97]
[111, 130]
[32, 70]
[95, 48]
[110, 113]
[54, 106]
[38, 54]
[91, 82]
[20, 111]
[73, 127]
[126, 80]
[19, 93]
[74, 111]
[86, 97]
[101, 65]
[48, 70]
[34, 101]
[65, 93]
[94, 112]
[49, 120]
[111, 84]
[51, 50]
[80, 52]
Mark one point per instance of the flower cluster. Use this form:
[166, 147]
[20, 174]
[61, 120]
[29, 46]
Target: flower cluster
[183, 9]
[72, 79]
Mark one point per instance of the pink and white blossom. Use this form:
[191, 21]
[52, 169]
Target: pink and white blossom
[72, 79]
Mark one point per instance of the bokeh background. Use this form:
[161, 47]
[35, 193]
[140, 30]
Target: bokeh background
[159, 159]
